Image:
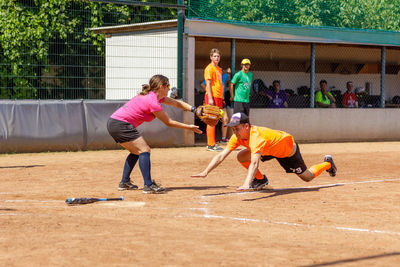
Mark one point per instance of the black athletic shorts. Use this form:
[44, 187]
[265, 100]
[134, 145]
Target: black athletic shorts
[293, 164]
[122, 131]
[241, 107]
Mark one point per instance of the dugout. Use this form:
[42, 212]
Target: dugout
[298, 56]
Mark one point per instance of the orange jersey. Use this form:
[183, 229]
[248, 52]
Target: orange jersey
[215, 75]
[267, 141]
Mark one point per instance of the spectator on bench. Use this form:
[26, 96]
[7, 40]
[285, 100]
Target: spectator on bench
[349, 99]
[278, 98]
[324, 98]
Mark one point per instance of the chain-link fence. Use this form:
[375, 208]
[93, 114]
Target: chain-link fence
[282, 73]
[47, 50]
[281, 70]
[345, 76]
[355, 14]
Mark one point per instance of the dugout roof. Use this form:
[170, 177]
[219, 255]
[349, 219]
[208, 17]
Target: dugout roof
[291, 33]
[164, 24]
[271, 32]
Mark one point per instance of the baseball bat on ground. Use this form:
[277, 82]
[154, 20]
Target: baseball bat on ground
[84, 200]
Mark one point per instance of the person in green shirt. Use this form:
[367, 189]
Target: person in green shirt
[240, 88]
[324, 98]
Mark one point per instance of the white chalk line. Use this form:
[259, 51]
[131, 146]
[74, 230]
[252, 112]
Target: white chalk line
[348, 183]
[351, 229]
[30, 207]
[16, 214]
[341, 228]
[29, 200]
[123, 204]
[242, 219]
[304, 187]
[119, 204]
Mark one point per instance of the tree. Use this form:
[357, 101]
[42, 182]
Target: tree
[370, 14]
[47, 49]
[357, 14]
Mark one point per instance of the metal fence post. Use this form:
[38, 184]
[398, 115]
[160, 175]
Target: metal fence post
[233, 56]
[181, 15]
[312, 75]
[383, 73]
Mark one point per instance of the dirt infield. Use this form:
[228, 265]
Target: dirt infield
[350, 220]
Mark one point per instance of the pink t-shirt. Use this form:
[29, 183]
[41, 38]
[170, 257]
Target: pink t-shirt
[139, 109]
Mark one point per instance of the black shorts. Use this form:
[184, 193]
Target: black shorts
[293, 164]
[122, 131]
[241, 107]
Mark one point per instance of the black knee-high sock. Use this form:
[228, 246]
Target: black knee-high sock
[144, 164]
[130, 163]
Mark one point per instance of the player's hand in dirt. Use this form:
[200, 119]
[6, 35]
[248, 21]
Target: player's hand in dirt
[199, 175]
[244, 188]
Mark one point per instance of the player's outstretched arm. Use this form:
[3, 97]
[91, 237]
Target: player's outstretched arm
[217, 159]
[177, 104]
[253, 167]
[163, 116]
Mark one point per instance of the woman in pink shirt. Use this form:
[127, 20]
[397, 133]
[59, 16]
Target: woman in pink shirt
[144, 107]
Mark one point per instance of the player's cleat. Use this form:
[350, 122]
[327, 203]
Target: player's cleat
[258, 184]
[153, 189]
[333, 169]
[127, 186]
[224, 140]
[214, 148]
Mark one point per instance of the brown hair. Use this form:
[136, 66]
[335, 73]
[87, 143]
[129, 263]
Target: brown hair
[323, 81]
[155, 82]
[214, 50]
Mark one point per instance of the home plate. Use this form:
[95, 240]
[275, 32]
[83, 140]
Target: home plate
[123, 204]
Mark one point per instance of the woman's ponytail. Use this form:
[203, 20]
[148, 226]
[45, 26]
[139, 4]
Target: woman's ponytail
[155, 82]
[145, 89]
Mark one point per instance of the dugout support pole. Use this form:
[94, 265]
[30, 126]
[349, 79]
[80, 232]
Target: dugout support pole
[233, 56]
[181, 15]
[312, 75]
[383, 73]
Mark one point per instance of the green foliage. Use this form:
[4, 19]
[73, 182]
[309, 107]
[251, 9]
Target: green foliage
[370, 14]
[30, 28]
[48, 44]
[358, 14]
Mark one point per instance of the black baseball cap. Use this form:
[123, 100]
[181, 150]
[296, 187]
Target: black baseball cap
[238, 118]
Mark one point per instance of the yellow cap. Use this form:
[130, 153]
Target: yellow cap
[246, 61]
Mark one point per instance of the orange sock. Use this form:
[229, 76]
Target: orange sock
[319, 168]
[258, 175]
[210, 135]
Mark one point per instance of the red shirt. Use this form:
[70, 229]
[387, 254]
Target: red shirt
[349, 99]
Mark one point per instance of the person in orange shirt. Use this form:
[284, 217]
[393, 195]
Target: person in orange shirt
[214, 93]
[264, 144]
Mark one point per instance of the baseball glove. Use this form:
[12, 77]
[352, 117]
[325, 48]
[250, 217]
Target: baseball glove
[209, 114]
